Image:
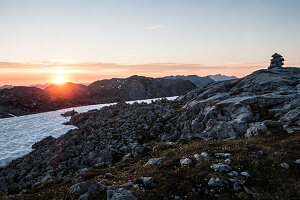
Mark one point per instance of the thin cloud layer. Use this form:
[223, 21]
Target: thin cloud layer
[29, 73]
[158, 26]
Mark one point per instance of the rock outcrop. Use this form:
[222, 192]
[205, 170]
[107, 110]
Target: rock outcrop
[231, 109]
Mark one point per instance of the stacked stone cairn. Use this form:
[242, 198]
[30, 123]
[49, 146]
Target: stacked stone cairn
[276, 61]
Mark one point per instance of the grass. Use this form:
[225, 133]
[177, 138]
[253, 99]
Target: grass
[268, 180]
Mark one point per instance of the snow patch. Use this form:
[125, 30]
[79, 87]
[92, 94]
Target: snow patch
[18, 134]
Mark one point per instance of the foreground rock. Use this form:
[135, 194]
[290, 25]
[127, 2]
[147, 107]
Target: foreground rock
[87, 190]
[215, 182]
[153, 161]
[221, 167]
[120, 194]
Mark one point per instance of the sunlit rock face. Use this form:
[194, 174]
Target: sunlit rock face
[231, 109]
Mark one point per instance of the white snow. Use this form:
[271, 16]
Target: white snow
[18, 134]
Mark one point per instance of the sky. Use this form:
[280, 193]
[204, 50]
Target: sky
[97, 39]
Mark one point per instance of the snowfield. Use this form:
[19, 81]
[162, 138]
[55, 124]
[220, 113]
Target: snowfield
[18, 134]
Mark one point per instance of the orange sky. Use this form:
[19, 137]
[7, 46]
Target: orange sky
[46, 72]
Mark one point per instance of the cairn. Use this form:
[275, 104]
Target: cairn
[276, 61]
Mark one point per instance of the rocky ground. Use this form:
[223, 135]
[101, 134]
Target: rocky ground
[189, 140]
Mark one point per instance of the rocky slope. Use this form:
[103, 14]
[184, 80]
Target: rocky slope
[257, 104]
[246, 106]
[28, 100]
[137, 87]
[197, 80]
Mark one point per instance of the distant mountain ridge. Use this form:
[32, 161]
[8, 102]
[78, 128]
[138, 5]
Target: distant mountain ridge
[137, 87]
[220, 77]
[197, 80]
[41, 86]
[21, 100]
[6, 87]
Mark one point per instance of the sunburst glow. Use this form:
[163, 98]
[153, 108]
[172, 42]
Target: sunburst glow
[60, 79]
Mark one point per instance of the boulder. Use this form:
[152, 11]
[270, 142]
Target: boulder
[78, 189]
[120, 194]
[228, 161]
[225, 155]
[152, 161]
[185, 161]
[204, 155]
[232, 173]
[215, 182]
[148, 182]
[197, 156]
[220, 167]
[246, 174]
[285, 165]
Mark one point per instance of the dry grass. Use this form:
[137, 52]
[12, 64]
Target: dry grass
[268, 180]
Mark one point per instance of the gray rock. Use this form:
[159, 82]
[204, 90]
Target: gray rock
[84, 197]
[228, 161]
[120, 194]
[113, 187]
[220, 167]
[148, 182]
[285, 165]
[185, 161]
[152, 161]
[225, 155]
[246, 174]
[297, 161]
[169, 144]
[92, 189]
[215, 182]
[137, 151]
[279, 153]
[78, 189]
[256, 128]
[233, 173]
[240, 182]
[46, 178]
[95, 189]
[204, 155]
[248, 191]
[129, 184]
[77, 180]
[236, 186]
[197, 156]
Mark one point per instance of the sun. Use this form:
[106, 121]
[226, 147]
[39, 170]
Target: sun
[60, 79]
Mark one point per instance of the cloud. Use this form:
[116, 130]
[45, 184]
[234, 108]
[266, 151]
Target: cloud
[83, 72]
[158, 26]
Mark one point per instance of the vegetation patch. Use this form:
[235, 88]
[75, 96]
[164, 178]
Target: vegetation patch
[260, 156]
